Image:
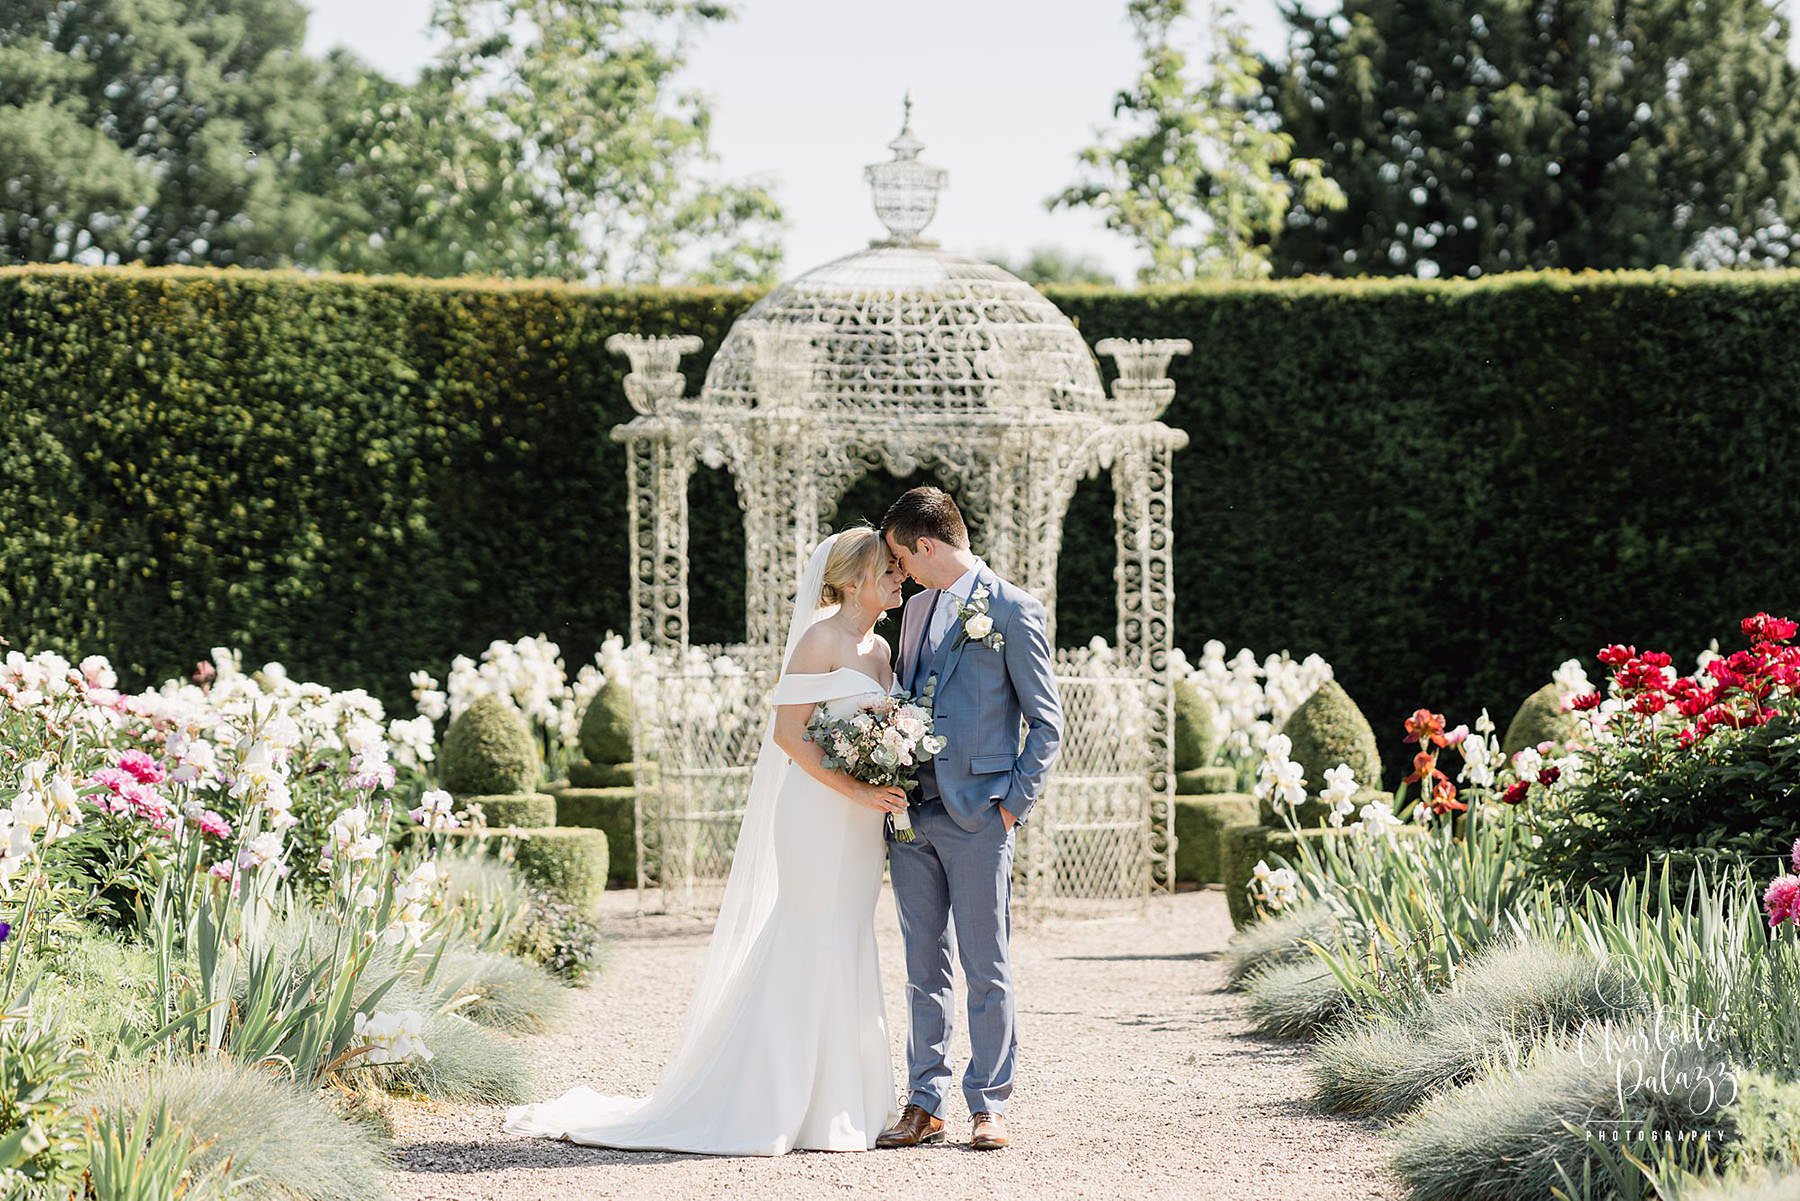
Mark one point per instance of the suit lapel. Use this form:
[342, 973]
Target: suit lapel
[950, 652]
[912, 640]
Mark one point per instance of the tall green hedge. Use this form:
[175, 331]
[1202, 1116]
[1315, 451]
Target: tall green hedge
[1444, 488]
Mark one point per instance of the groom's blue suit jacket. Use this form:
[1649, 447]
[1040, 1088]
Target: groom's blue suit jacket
[984, 699]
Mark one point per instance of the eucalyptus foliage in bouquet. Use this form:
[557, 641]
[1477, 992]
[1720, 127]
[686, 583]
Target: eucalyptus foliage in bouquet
[882, 743]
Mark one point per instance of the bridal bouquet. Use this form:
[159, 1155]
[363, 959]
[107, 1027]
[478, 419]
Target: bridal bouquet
[882, 743]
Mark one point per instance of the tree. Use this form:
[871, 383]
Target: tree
[546, 139]
[1053, 265]
[154, 131]
[1196, 176]
[1473, 136]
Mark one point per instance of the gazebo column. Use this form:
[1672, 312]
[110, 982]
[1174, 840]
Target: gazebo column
[780, 526]
[659, 537]
[1146, 600]
[658, 464]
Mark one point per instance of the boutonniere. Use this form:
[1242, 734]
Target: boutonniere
[977, 623]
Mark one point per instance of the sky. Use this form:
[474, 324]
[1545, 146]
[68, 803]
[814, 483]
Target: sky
[805, 93]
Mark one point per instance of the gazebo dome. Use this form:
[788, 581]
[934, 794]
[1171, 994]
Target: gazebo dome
[905, 328]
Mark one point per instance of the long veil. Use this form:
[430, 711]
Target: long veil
[744, 916]
[750, 889]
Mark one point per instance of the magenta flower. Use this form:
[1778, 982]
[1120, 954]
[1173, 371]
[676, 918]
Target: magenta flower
[142, 767]
[211, 823]
[1782, 900]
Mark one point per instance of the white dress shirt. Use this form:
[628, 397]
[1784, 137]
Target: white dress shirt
[950, 602]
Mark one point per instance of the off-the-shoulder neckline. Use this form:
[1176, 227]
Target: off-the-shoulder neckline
[819, 675]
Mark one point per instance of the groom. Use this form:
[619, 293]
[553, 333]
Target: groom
[973, 648]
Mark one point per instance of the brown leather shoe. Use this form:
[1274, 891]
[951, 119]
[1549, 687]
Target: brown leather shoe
[989, 1133]
[916, 1125]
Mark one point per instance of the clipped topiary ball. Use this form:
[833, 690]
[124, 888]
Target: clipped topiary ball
[1540, 719]
[1196, 727]
[489, 749]
[1328, 729]
[606, 726]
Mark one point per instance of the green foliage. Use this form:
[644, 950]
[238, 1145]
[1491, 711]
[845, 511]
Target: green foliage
[489, 750]
[103, 992]
[469, 1064]
[1508, 997]
[560, 936]
[352, 475]
[199, 131]
[1200, 821]
[528, 809]
[1328, 729]
[147, 1155]
[585, 775]
[1195, 178]
[613, 810]
[1766, 1116]
[1732, 798]
[155, 133]
[1540, 719]
[1768, 1183]
[567, 861]
[41, 1145]
[280, 1140]
[1196, 727]
[1241, 846]
[1049, 264]
[606, 725]
[1417, 903]
[1705, 950]
[1480, 136]
[1206, 781]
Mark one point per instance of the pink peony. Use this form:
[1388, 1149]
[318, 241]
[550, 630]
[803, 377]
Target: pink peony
[211, 823]
[142, 767]
[1782, 900]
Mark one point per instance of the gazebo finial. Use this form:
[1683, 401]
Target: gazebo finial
[906, 190]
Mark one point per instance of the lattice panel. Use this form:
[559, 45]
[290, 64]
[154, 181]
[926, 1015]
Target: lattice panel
[1088, 839]
[699, 717]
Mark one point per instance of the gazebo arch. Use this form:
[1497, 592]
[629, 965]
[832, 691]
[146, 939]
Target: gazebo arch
[901, 357]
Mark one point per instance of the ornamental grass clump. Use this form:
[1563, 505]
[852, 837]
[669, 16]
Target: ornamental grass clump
[1524, 1129]
[1297, 999]
[1509, 997]
[1280, 938]
[281, 1141]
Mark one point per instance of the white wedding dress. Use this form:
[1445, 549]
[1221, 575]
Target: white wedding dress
[786, 1040]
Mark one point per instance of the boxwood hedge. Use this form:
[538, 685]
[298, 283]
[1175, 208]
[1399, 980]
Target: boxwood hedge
[1444, 488]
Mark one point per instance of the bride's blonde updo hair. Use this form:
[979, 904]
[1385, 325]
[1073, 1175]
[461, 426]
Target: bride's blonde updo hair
[859, 554]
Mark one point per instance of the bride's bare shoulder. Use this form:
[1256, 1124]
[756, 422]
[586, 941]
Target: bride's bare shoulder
[819, 650]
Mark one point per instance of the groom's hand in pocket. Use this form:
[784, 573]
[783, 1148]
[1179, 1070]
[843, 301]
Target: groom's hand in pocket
[1006, 817]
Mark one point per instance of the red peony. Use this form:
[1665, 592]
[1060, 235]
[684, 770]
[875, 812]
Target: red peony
[1770, 629]
[1517, 792]
[1616, 654]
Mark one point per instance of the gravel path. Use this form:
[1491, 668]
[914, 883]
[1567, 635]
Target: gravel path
[1138, 1077]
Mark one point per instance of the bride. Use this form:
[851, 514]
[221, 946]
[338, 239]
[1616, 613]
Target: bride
[785, 1045]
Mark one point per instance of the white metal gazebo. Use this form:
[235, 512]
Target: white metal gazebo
[904, 357]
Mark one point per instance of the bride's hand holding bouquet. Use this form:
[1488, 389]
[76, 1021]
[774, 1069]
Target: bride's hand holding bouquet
[880, 745]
